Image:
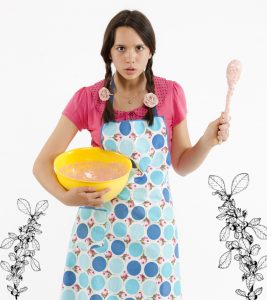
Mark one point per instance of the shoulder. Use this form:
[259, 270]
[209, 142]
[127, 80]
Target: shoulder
[166, 85]
[166, 89]
[92, 93]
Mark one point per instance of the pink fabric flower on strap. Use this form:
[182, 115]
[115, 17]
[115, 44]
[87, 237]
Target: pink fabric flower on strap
[151, 100]
[104, 93]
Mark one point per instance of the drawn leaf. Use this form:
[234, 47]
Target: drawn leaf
[228, 244]
[12, 256]
[24, 289]
[225, 260]
[247, 259]
[35, 264]
[225, 233]
[223, 208]
[255, 221]
[24, 206]
[35, 244]
[259, 276]
[38, 231]
[21, 270]
[237, 257]
[10, 288]
[7, 243]
[239, 183]
[258, 291]
[244, 244]
[235, 244]
[5, 266]
[221, 216]
[262, 263]
[216, 183]
[9, 276]
[12, 235]
[19, 252]
[241, 293]
[36, 225]
[41, 206]
[260, 231]
[250, 281]
[243, 268]
[255, 249]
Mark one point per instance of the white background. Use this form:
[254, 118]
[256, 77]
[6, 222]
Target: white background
[50, 49]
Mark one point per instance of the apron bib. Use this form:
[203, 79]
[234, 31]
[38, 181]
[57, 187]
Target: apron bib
[128, 248]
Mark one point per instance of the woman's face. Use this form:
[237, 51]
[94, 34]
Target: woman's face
[129, 51]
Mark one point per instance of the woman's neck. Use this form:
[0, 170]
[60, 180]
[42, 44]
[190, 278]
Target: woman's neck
[129, 86]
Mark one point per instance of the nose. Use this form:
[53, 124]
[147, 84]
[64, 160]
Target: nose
[130, 56]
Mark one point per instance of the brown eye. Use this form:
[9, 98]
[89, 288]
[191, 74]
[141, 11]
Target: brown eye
[119, 48]
[140, 47]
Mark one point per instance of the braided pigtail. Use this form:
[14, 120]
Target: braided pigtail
[140, 23]
[108, 113]
[150, 88]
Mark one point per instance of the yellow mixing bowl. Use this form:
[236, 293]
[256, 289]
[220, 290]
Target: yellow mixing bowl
[93, 154]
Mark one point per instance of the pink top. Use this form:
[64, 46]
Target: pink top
[85, 108]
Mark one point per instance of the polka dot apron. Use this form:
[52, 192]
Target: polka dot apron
[128, 248]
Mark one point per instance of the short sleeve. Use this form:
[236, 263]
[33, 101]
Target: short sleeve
[178, 104]
[77, 109]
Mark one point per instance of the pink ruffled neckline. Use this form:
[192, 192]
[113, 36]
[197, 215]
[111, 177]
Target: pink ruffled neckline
[139, 110]
[160, 90]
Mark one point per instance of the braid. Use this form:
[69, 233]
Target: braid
[108, 114]
[151, 89]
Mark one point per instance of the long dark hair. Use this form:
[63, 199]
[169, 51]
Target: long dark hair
[140, 23]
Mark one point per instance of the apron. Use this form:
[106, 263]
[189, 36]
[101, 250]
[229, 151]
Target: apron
[128, 248]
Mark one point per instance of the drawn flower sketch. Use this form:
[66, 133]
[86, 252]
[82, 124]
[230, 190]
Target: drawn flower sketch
[23, 255]
[241, 247]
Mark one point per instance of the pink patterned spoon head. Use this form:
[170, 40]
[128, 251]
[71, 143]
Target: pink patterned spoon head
[233, 72]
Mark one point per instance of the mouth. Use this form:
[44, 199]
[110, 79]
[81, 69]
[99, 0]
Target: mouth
[130, 69]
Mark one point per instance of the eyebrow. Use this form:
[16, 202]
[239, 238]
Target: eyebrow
[124, 45]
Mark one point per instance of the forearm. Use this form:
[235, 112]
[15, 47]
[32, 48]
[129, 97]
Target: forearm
[44, 173]
[193, 157]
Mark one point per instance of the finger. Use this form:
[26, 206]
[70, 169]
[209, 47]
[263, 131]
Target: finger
[97, 202]
[223, 135]
[219, 139]
[102, 192]
[224, 126]
[219, 133]
[225, 117]
[86, 189]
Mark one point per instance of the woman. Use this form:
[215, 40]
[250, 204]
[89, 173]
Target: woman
[127, 248]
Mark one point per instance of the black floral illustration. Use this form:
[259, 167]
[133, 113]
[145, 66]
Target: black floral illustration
[241, 248]
[23, 255]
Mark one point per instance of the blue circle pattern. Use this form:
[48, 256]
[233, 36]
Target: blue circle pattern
[153, 232]
[82, 231]
[96, 297]
[69, 278]
[134, 268]
[138, 213]
[158, 141]
[118, 247]
[151, 269]
[121, 211]
[125, 128]
[99, 263]
[122, 251]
